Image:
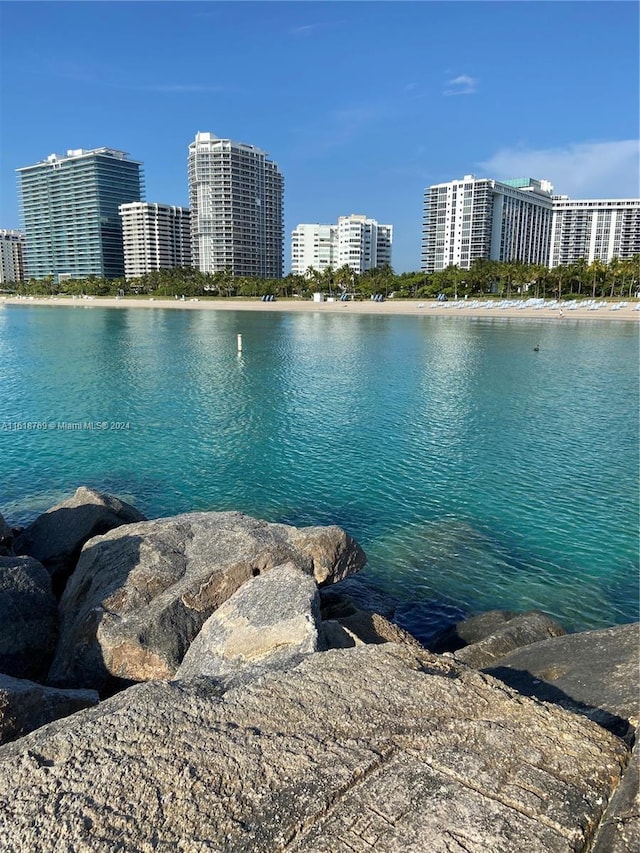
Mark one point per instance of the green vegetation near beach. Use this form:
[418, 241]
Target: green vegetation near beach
[619, 278]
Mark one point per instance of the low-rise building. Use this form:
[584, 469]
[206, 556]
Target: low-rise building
[355, 241]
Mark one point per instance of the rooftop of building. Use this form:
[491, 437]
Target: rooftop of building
[80, 153]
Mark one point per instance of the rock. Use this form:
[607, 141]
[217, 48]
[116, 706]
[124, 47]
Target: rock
[141, 593]
[470, 630]
[6, 534]
[372, 748]
[354, 614]
[619, 831]
[522, 630]
[56, 537]
[594, 673]
[28, 618]
[359, 627]
[356, 593]
[270, 622]
[25, 705]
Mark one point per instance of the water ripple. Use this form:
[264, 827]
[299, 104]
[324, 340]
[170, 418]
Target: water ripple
[475, 472]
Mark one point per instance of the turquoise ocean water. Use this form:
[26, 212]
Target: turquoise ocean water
[475, 472]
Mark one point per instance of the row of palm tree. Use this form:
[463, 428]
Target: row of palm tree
[619, 278]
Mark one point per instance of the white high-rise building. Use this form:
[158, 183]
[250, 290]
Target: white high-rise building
[594, 229]
[520, 220]
[12, 244]
[313, 247]
[236, 202]
[356, 241]
[482, 218]
[154, 236]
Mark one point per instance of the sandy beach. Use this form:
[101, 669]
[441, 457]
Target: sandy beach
[627, 310]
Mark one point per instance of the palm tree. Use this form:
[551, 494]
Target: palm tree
[598, 272]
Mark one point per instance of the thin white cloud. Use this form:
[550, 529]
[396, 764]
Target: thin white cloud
[579, 170]
[303, 30]
[461, 85]
[180, 88]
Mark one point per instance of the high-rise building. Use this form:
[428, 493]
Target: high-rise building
[594, 229]
[155, 237]
[473, 218]
[362, 243]
[236, 202]
[70, 211]
[11, 256]
[520, 220]
[313, 246]
[356, 241]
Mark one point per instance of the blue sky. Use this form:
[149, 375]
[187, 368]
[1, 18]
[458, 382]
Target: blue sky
[361, 104]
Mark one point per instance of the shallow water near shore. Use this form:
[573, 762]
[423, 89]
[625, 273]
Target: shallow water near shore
[475, 472]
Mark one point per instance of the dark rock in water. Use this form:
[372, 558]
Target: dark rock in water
[356, 593]
[344, 625]
[521, 630]
[141, 593]
[56, 537]
[373, 748]
[594, 673]
[470, 630]
[425, 619]
[28, 618]
[6, 534]
[364, 628]
[26, 706]
[270, 622]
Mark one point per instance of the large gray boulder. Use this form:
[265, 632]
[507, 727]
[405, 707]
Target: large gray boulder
[141, 593]
[595, 673]
[521, 630]
[56, 537]
[270, 622]
[28, 618]
[372, 748]
[25, 706]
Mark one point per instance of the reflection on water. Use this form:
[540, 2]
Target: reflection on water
[474, 472]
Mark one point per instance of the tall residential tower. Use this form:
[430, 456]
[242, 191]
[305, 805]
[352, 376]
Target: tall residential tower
[155, 237]
[594, 229]
[11, 256]
[520, 220]
[236, 202]
[70, 211]
[476, 218]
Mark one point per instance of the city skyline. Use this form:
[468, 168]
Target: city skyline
[361, 104]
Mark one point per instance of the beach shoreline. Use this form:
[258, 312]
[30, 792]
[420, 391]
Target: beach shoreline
[623, 310]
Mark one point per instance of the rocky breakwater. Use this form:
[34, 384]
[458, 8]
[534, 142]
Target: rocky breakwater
[272, 713]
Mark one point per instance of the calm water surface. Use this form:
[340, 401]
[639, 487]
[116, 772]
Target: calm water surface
[475, 472]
